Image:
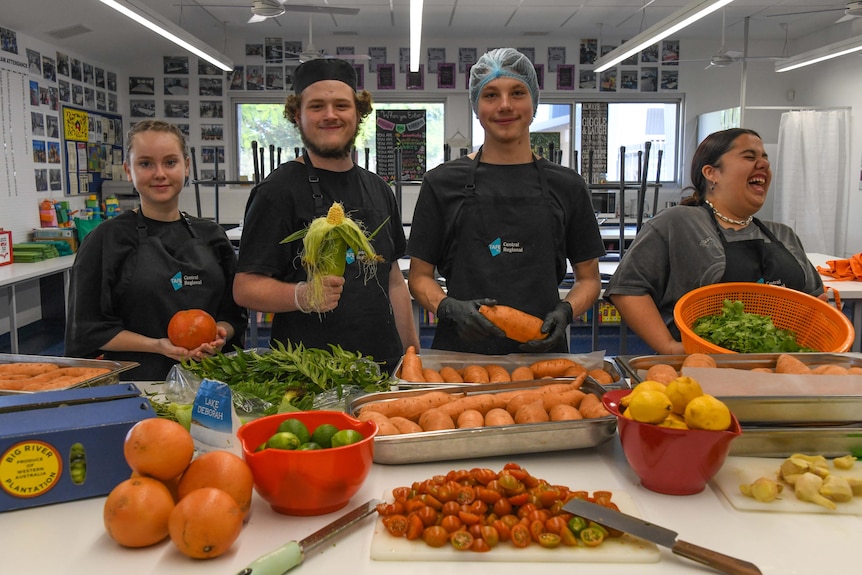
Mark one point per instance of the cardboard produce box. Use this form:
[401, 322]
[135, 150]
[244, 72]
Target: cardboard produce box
[61, 446]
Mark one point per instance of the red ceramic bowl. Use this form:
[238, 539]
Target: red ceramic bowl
[667, 460]
[308, 482]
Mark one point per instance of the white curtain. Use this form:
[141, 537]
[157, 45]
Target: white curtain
[811, 180]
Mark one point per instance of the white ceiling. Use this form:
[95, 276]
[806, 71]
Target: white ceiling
[113, 39]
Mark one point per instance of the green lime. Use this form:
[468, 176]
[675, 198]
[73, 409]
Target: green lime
[283, 440]
[261, 447]
[323, 434]
[309, 446]
[297, 428]
[346, 437]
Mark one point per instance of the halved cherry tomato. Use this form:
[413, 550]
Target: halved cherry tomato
[435, 536]
[539, 515]
[489, 496]
[502, 529]
[502, 507]
[525, 510]
[483, 475]
[396, 525]
[451, 523]
[520, 499]
[568, 538]
[520, 535]
[402, 493]
[591, 536]
[555, 524]
[468, 517]
[414, 504]
[480, 545]
[450, 508]
[415, 526]
[461, 540]
[427, 515]
[394, 508]
[431, 501]
[478, 507]
[537, 528]
[490, 535]
[465, 495]
[549, 540]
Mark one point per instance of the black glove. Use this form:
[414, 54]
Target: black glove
[469, 323]
[555, 325]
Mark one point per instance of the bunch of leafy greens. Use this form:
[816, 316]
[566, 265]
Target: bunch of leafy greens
[287, 378]
[743, 332]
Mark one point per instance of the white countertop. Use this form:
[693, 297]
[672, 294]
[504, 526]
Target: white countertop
[21, 272]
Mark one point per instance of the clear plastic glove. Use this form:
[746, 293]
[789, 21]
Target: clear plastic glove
[469, 323]
[555, 325]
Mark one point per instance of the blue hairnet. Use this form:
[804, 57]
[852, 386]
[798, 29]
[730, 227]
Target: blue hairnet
[499, 63]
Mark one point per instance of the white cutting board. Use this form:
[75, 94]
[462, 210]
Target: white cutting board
[738, 470]
[625, 549]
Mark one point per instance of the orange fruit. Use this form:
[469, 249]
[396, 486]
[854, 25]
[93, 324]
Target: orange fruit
[136, 512]
[205, 523]
[190, 328]
[171, 484]
[158, 448]
[223, 470]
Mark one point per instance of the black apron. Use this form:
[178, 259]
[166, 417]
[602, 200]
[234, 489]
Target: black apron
[156, 284]
[364, 320]
[505, 247]
[759, 261]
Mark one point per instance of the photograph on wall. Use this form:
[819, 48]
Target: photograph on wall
[210, 175]
[545, 144]
[360, 76]
[44, 97]
[112, 102]
[212, 109]
[565, 77]
[540, 75]
[386, 76]
[275, 77]
[292, 49]
[42, 180]
[142, 85]
[54, 98]
[212, 132]
[176, 64]
[236, 78]
[669, 79]
[176, 108]
[628, 79]
[34, 93]
[377, 57]
[530, 53]
[65, 90]
[142, 108]
[605, 49]
[649, 79]
[35, 60]
[289, 75]
[62, 64]
[53, 152]
[436, 56]
[176, 86]
[8, 41]
[649, 54]
[54, 180]
[89, 97]
[49, 70]
[89, 75]
[207, 69]
[446, 75]
[39, 154]
[466, 58]
[254, 50]
[210, 153]
[52, 127]
[101, 102]
[37, 123]
[100, 78]
[111, 81]
[184, 128]
[556, 57]
[210, 87]
[416, 80]
[273, 50]
[77, 94]
[75, 68]
[608, 82]
[670, 52]
[403, 60]
[254, 78]
[345, 50]
[589, 50]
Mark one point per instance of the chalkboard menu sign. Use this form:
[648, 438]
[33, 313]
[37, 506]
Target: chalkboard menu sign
[401, 130]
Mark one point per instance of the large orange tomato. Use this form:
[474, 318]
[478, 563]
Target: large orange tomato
[192, 327]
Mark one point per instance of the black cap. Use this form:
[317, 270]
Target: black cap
[320, 69]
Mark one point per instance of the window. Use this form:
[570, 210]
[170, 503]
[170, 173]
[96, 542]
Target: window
[264, 123]
[629, 124]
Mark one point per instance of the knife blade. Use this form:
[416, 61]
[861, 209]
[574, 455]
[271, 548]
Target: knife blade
[293, 553]
[661, 536]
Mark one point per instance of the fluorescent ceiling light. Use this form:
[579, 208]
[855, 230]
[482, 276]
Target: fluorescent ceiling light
[163, 27]
[416, 7]
[820, 54]
[673, 23]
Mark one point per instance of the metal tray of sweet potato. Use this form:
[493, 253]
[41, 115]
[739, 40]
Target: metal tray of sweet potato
[112, 376]
[769, 410]
[437, 359]
[453, 444]
[774, 441]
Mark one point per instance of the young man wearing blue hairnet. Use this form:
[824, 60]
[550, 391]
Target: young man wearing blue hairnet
[499, 225]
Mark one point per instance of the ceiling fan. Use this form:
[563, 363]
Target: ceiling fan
[724, 57]
[262, 10]
[312, 53]
[851, 10]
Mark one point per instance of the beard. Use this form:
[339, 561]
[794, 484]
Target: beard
[335, 152]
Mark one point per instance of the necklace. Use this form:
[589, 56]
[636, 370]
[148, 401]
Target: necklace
[724, 218]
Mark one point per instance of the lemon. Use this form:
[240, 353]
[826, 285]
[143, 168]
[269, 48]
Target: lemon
[673, 421]
[682, 390]
[707, 412]
[648, 385]
[628, 414]
[297, 428]
[650, 406]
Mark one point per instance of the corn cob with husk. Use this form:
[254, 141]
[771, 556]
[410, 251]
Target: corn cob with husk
[325, 242]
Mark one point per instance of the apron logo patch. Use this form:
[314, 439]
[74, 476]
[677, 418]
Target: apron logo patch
[177, 281]
[496, 247]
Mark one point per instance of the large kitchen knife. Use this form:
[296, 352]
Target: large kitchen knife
[293, 553]
[661, 536]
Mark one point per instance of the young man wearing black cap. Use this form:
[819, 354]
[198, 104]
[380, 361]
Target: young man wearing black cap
[372, 316]
[500, 225]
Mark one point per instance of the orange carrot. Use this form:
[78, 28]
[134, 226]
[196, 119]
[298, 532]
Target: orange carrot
[475, 374]
[451, 375]
[522, 373]
[497, 373]
[518, 325]
[498, 416]
[470, 419]
[531, 413]
[411, 366]
[435, 420]
[432, 375]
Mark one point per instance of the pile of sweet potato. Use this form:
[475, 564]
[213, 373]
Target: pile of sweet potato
[785, 363]
[440, 410]
[28, 376]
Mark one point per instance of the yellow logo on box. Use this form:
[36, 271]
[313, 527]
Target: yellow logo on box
[30, 469]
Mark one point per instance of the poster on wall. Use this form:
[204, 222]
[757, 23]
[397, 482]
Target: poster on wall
[594, 140]
[403, 130]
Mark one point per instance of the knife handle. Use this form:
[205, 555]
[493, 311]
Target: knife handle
[714, 559]
[276, 562]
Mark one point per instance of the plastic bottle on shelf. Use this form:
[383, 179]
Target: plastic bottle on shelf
[47, 214]
[92, 204]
